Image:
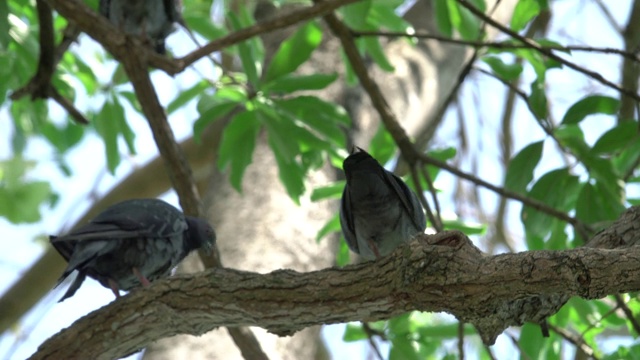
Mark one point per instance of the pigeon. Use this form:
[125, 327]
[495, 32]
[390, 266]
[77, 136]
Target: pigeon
[378, 212]
[130, 244]
[151, 19]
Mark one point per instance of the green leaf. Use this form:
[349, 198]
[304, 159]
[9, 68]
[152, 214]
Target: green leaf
[546, 189]
[187, 95]
[354, 332]
[355, 15]
[403, 348]
[626, 160]
[594, 204]
[4, 25]
[285, 149]
[321, 116]
[594, 104]
[523, 13]
[332, 191]
[572, 137]
[383, 15]
[617, 138]
[64, 138]
[343, 256]
[248, 59]
[295, 51]
[291, 83]
[530, 340]
[466, 227]
[331, 226]
[374, 49]
[243, 129]
[212, 114]
[21, 204]
[20, 200]
[203, 25]
[521, 167]
[117, 114]
[467, 24]
[382, 146]
[108, 128]
[442, 17]
[505, 71]
[538, 100]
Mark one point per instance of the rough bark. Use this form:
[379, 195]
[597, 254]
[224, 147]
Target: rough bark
[443, 272]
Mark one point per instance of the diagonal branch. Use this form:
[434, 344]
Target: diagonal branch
[40, 87]
[378, 100]
[534, 45]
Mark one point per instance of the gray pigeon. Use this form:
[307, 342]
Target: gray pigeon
[151, 19]
[131, 243]
[378, 212]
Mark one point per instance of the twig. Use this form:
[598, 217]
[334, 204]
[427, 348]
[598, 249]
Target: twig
[294, 17]
[628, 313]
[534, 45]
[576, 340]
[432, 218]
[523, 355]
[434, 196]
[370, 334]
[489, 352]
[460, 340]
[495, 44]
[582, 228]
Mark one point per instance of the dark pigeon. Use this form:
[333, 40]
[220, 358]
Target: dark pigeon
[152, 20]
[378, 212]
[130, 244]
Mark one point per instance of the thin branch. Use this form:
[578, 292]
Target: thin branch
[461, 340]
[609, 16]
[534, 45]
[576, 340]
[434, 195]
[292, 18]
[495, 44]
[370, 334]
[582, 228]
[437, 224]
[628, 313]
[487, 349]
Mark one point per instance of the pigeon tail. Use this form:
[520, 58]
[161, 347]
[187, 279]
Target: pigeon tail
[74, 286]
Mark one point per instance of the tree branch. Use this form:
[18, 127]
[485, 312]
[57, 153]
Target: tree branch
[534, 45]
[442, 272]
[496, 44]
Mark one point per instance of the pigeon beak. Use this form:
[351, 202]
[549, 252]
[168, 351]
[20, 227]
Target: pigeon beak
[356, 149]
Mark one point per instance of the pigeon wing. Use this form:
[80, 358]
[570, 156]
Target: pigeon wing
[346, 220]
[409, 200]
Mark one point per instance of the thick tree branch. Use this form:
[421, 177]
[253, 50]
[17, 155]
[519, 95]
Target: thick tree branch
[443, 272]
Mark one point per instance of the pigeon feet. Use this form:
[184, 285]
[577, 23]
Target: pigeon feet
[143, 280]
[114, 287]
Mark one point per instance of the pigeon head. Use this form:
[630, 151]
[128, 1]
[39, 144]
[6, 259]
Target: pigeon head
[358, 160]
[200, 235]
